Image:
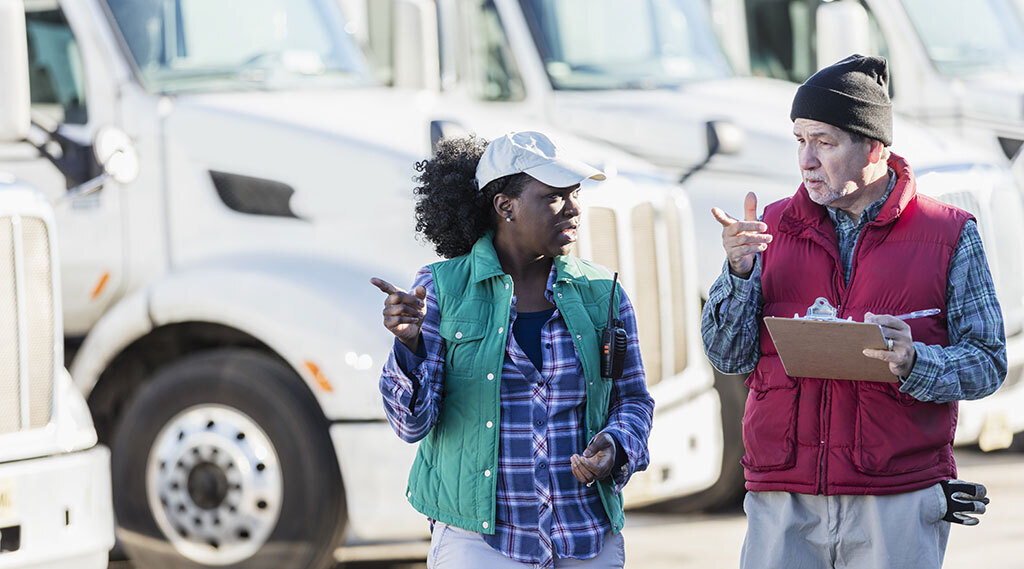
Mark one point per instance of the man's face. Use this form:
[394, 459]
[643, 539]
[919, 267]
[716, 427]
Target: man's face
[546, 218]
[832, 164]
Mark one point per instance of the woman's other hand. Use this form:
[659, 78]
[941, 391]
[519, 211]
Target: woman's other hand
[597, 460]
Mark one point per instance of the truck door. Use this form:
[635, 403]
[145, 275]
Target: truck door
[64, 101]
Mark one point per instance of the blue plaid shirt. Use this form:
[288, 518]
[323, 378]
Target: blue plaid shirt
[542, 511]
[971, 367]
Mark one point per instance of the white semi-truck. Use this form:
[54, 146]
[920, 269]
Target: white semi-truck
[55, 503]
[217, 309]
[652, 78]
[955, 64]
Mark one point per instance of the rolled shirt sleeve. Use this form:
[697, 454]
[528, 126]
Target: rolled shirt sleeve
[632, 408]
[411, 383]
[730, 321]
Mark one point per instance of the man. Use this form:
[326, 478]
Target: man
[854, 473]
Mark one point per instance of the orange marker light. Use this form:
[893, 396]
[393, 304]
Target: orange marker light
[320, 378]
[102, 284]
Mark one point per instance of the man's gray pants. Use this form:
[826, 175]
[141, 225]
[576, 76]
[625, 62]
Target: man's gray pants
[801, 531]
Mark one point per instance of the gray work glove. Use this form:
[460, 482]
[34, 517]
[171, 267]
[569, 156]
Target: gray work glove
[963, 499]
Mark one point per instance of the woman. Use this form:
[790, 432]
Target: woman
[502, 416]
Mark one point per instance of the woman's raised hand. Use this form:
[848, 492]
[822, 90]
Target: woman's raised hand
[403, 312]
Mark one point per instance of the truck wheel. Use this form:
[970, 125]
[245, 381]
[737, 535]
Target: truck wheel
[224, 460]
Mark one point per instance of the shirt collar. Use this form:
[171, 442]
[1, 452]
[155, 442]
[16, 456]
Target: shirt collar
[840, 217]
[484, 263]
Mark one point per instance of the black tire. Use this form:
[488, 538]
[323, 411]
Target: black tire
[727, 492]
[312, 514]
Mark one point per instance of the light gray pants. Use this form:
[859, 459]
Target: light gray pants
[456, 548]
[800, 531]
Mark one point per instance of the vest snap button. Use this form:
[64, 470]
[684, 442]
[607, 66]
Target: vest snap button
[506, 286]
[487, 473]
[489, 424]
[578, 337]
[485, 525]
[500, 330]
[490, 377]
[458, 335]
[559, 295]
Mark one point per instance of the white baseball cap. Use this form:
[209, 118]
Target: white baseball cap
[531, 153]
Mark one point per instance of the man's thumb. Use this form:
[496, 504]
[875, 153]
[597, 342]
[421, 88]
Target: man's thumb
[750, 207]
[589, 452]
[420, 292]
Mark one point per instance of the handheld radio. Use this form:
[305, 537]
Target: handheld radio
[613, 341]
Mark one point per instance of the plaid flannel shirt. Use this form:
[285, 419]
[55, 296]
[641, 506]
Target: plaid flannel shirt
[542, 511]
[971, 367]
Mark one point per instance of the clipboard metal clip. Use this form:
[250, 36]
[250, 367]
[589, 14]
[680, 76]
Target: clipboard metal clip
[820, 310]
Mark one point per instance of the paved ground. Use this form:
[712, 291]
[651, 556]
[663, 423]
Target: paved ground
[657, 541]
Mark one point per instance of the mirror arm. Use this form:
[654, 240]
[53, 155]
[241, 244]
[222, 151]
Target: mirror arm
[85, 188]
[73, 163]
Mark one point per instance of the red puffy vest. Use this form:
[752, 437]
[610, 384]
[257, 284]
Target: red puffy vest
[816, 436]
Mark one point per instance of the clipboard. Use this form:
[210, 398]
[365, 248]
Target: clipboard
[819, 345]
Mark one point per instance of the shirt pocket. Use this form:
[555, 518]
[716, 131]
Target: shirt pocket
[463, 341]
[769, 421]
[897, 434]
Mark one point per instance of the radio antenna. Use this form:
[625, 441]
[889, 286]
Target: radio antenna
[611, 300]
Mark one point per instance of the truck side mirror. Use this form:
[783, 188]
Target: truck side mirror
[15, 99]
[416, 64]
[115, 153]
[440, 129]
[1017, 167]
[842, 30]
[723, 137]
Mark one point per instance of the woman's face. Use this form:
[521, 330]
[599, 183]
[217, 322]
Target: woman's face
[544, 218]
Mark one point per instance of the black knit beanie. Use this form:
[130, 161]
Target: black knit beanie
[852, 94]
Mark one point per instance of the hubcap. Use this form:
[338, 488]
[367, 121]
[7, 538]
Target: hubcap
[214, 484]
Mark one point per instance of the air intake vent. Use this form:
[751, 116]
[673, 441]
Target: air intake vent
[26, 325]
[256, 196]
[647, 296]
[604, 237]
[677, 284]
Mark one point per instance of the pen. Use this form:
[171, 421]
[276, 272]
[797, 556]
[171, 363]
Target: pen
[919, 314]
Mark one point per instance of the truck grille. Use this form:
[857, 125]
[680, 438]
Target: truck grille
[643, 240]
[997, 213]
[26, 324]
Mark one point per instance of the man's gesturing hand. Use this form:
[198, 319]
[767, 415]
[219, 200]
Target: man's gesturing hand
[597, 460]
[742, 240]
[903, 355]
[403, 312]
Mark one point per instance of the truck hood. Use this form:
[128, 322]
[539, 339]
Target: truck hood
[996, 96]
[399, 120]
[667, 126]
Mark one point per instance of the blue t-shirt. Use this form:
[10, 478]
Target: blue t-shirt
[527, 328]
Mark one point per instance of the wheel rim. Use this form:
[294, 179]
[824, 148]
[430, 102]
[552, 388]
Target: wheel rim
[214, 484]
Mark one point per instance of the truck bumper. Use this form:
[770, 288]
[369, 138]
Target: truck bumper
[374, 466]
[56, 512]
[992, 421]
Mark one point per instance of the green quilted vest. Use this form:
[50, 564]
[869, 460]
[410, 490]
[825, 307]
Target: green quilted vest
[453, 478]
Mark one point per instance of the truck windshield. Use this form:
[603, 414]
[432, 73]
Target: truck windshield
[211, 45]
[625, 44]
[969, 38]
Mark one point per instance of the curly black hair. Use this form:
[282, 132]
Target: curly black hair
[451, 212]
